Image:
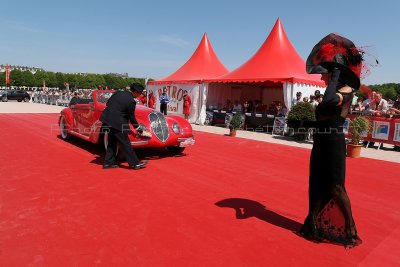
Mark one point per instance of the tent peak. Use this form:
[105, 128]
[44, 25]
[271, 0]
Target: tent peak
[275, 60]
[203, 64]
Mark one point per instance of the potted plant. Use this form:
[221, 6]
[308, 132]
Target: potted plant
[235, 123]
[358, 127]
[301, 118]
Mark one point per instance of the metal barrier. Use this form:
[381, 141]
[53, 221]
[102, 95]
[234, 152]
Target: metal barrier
[58, 100]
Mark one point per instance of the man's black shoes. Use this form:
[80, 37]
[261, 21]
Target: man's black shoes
[140, 165]
[114, 166]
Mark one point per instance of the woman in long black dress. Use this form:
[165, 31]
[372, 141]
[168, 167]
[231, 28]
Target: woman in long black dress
[339, 62]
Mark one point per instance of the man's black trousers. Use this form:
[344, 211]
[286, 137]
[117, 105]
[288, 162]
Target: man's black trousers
[163, 108]
[115, 137]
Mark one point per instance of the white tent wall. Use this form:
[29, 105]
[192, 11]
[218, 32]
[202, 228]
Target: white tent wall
[290, 90]
[199, 117]
[175, 93]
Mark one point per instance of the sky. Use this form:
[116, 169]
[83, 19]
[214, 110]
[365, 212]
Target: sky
[154, 38]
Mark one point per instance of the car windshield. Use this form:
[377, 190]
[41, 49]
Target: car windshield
[103, 97]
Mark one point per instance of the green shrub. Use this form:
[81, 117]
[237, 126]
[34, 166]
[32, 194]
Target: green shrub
[301, 112]
[358, 126]
[236, 121]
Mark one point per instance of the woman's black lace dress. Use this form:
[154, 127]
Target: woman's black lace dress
[327, 172]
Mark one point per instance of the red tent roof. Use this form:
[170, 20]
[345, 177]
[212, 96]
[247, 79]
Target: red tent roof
[275, 61]
[203, 64]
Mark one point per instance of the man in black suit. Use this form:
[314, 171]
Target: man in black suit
[119, 112]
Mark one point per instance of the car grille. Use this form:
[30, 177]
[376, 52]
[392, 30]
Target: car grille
[159, 126]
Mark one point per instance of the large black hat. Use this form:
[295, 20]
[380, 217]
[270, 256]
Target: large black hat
[336, 51]
[137, 87]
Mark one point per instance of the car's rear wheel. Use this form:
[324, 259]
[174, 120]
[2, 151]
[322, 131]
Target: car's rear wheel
[175, 150]
[26, 99]
[63, 129]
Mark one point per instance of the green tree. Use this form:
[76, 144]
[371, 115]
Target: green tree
[17, 78]
[39, 77]
[2, 79]
[60, 80]
[72, 80]
[51, 79]
[29, 78]
[388, 90]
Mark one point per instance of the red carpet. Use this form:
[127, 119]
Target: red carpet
[59, 208]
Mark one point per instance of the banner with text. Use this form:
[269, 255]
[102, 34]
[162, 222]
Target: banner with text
[175, 93]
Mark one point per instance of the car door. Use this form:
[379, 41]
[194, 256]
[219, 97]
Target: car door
[11, 95]
[20, 95]
[84, 114]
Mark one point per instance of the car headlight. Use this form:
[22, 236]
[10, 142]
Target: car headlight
[176, 128]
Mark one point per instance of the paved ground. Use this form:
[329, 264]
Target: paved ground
[22, 107]
[386, 153]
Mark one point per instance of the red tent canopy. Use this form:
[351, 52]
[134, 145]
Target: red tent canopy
[275, 61]
[203, 64]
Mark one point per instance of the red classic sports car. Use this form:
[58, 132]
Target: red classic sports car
[82, 120]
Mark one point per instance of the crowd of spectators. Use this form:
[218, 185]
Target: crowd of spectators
[275, 108]
[58, 97]
[376, 105]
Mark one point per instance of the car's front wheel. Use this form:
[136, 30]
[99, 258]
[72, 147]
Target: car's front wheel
[63, 129]
[175, 150]
[26, 99]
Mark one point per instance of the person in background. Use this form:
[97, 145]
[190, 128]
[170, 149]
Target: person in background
[296, 99]
[164, 100]
[281, 110]
[74, 100]
[187, 102]
[228, 106]
[143, 98]
[368, 104]
[237, 106]
[305, 99]
[395, 109]
[313, 101]
[359, 107]
[246, 106]
[380, 105]
[251, 106]
[152, 100]
[354, 102]
[319, 99]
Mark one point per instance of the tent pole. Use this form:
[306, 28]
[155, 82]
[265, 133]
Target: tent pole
[291, 94]
[199, 103]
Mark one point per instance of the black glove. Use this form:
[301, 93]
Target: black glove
[330, 96]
